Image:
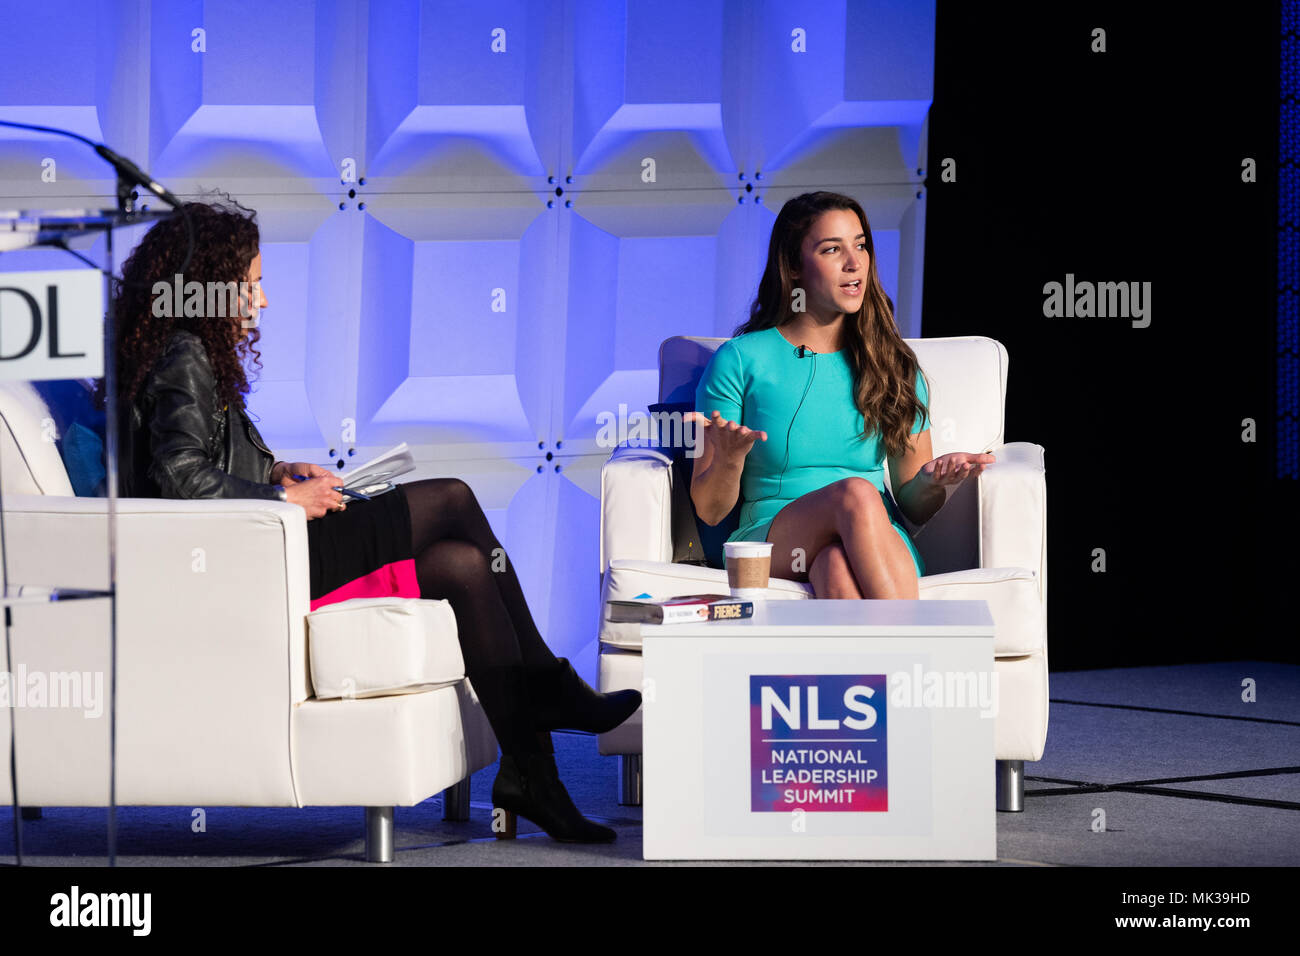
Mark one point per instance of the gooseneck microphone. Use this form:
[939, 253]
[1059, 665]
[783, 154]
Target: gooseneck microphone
[124, 167]
[129, 175]
[136, 175]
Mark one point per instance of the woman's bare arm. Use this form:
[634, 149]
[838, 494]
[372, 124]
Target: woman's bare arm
[715, 476]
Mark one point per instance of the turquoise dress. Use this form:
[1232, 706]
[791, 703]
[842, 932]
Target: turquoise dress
[758, 380]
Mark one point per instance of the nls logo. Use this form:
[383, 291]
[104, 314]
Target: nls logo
[818, 742]
[788, 709]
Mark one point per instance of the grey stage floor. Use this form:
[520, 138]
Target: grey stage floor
[1186, 773]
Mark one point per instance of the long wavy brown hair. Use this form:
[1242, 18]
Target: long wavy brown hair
[884, 366]
[226, 240]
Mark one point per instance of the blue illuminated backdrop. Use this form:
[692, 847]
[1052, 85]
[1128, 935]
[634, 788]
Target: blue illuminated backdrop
[1288, 245]
[480, 221]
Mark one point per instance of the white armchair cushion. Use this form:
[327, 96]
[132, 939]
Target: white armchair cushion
[629, 580]
[372, 647]
[636, 505]
[30, 463]
[1019, 622]
[1011, 593]
[1013, 511]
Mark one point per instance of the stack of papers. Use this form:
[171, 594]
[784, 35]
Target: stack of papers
[381, 470]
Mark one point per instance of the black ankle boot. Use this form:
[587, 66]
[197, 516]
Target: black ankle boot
[527, 782]
[529, 785]
[564, 701]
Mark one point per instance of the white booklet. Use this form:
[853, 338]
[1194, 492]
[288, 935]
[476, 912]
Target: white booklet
[380, 470]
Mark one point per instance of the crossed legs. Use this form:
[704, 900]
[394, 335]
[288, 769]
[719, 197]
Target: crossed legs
[514, 673]
[840, 539]
[457, 557]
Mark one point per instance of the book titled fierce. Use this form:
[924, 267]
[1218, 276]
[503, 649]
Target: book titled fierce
[679, 610]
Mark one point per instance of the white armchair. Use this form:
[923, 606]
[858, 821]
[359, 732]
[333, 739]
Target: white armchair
[215, 699]
[989, 542]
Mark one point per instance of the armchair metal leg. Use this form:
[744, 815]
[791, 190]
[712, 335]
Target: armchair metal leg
[629, 780]
[31, 813]
[1011, 785]
[379, 834]
[455, 802]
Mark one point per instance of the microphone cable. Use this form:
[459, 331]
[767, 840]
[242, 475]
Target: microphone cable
[799, 351]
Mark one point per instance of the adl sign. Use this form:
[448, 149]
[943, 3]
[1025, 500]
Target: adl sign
[51, 325]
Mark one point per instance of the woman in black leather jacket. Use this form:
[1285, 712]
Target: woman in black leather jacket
[185, 433]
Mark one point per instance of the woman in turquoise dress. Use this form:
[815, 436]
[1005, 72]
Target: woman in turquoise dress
[802, 411]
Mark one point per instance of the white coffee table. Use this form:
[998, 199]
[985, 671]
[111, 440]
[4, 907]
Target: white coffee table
[824, 730]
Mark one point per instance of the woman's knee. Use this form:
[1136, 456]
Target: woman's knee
[456, 562]
[857, 499]
[456, 493]
[450, 494]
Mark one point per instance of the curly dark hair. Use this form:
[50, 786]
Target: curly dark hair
[884, 366]
[226, 240]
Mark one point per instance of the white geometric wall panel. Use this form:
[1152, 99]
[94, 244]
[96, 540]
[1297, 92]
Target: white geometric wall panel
[480, 220]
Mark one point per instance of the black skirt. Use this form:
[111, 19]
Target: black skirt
[363, 551]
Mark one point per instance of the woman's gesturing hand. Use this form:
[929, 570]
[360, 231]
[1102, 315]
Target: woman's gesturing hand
[955, 467]
[316, 495]
[731, 440]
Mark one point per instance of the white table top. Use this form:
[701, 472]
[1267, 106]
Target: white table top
[832, 618]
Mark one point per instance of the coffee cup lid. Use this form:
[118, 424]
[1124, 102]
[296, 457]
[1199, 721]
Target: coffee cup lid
[748, 549]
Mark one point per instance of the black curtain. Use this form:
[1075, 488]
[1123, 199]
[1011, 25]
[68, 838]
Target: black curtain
[1126, 166]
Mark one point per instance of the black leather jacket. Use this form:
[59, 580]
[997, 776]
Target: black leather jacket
[177, 439]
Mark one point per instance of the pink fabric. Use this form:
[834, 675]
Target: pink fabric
[396, 579]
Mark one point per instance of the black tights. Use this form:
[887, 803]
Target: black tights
[458, 559]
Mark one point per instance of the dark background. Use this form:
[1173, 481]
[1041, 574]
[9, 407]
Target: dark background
[1126, 166]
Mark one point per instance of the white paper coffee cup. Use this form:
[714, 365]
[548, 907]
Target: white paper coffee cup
[749, 568]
